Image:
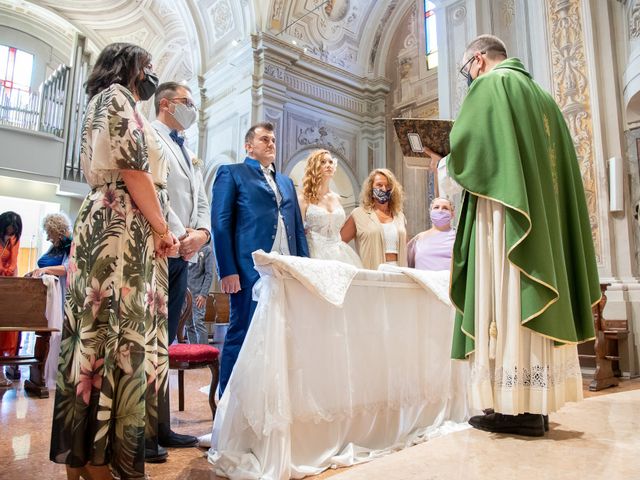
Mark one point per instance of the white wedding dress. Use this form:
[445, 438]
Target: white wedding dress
[323, 235]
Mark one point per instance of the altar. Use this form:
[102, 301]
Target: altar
[339, 366]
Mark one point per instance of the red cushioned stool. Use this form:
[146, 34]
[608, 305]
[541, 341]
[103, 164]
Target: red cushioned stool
[186, 356]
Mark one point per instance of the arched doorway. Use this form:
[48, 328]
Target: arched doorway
[344, 182]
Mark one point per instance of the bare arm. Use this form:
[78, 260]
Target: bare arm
[348, 231]
[57, 270]
[303, 207]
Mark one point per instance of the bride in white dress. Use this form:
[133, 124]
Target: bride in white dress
[322, 212]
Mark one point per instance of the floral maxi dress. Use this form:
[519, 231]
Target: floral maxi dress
[113, 354]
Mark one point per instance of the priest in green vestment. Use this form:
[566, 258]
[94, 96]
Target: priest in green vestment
[524, 276]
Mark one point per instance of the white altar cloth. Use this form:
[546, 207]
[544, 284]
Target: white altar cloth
[319, 384]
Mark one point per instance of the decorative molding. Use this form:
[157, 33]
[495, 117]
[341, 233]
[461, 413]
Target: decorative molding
[379, 31]
[336, 10]
[313, 89]
[458, 15]
[411, 40]
[571, 91]
[274, 71]
[405, 65]
[221, 15]
[429, 110]
[137, 37]
[634, 22]
[277, 10]
[508, 12]
[321, 136]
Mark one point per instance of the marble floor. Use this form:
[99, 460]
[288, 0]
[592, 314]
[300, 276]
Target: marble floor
[586, 441]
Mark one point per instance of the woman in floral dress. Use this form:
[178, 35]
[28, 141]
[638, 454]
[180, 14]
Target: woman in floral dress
[113, 354]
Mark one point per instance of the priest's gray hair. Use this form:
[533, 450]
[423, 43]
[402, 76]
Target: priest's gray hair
[490, 44]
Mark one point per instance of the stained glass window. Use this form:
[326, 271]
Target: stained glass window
[16, 67]
[431, 38]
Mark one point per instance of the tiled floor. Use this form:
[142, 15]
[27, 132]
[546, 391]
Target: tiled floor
[25, 428]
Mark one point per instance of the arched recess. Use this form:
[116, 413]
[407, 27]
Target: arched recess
[374, 45]
[344, 181]
[210, 171]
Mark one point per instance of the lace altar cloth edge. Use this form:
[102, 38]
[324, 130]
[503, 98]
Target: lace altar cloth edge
[328, 279]
[436, 282]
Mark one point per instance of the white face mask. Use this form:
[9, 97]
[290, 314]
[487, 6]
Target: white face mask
[184, 115]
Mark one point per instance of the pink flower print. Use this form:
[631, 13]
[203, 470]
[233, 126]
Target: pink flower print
[137, 120]
[95, 294]
[161, 305]
[111, 200]
[89, 378]
[150, 298]
[123, 358]
[72, 267]
[124, 292]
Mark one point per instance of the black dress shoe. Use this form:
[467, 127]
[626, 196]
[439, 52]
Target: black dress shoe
[155, 455]
[177, 440]
[489, 411]
[527, 424]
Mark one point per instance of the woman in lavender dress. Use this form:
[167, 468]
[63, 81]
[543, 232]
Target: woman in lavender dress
[431, 249]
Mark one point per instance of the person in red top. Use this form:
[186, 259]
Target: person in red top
[10, 231]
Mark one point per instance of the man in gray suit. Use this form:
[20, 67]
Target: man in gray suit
[189, 220]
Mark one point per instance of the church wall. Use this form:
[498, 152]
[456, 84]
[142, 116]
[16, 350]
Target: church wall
[314, 107]
[413, 93]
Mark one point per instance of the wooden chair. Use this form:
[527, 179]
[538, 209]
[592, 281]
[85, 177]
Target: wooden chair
[185, 356]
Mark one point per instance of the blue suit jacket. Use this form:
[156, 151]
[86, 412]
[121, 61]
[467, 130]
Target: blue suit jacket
[244, 218]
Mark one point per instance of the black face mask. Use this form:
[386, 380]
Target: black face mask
[470, 80]
[148, 85]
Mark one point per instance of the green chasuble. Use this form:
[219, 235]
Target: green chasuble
[510, 144]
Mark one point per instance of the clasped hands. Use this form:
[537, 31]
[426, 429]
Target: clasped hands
[186, 247]
[166, 246]
[191, 242]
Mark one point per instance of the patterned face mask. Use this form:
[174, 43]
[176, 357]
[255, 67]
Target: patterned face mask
[382, 196]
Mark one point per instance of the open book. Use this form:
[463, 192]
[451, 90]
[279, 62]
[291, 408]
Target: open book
[416, 133]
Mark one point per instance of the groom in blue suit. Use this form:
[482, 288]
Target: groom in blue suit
[253, 207]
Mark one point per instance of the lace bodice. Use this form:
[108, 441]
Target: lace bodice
[322, 224]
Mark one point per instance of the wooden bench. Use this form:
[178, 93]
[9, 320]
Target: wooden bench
[602, 353]
[23, 303]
